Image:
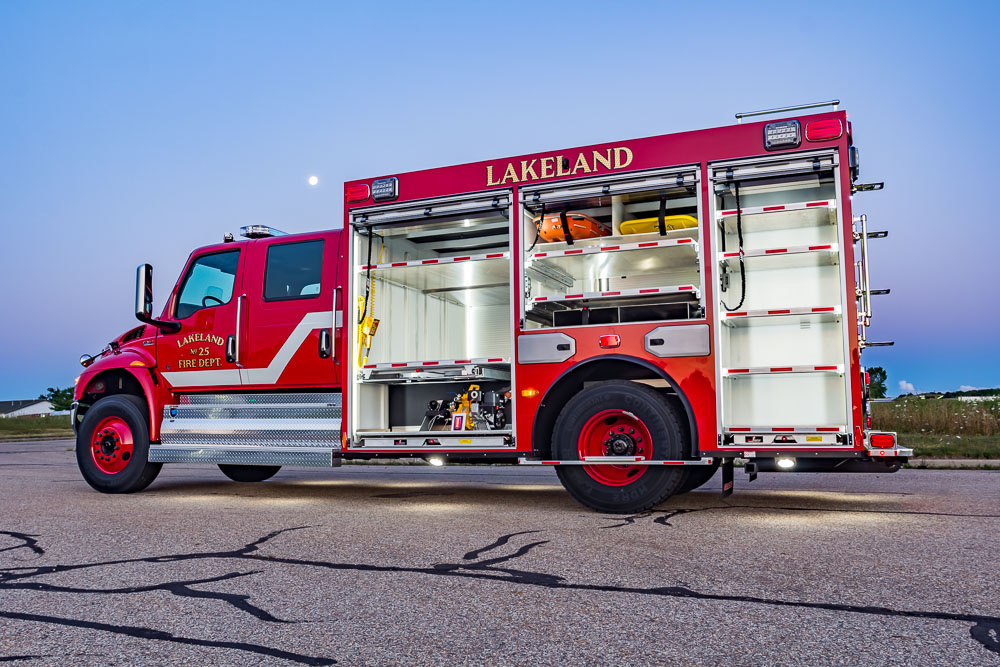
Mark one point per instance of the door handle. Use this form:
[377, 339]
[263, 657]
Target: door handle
[324, 344]
[231, 349]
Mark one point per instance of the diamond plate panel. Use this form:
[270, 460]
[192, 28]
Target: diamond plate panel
[244, 456]
[228, 411]
[325, 437]
[331, 398]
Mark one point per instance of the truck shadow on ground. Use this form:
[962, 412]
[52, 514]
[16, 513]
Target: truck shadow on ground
[500, 560]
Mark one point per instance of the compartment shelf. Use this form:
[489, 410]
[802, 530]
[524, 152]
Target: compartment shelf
[642, 293]
[440, 370]
[782, 370]
[768, 316]
[794, 256]
[782, 216]
[471, 280]
[616, 259]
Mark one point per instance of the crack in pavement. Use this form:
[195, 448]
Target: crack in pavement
[985, 630]
[664, 520]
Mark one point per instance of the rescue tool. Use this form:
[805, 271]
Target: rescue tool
[637, 315]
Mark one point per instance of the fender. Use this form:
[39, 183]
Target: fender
[659, 372]
[135, 362]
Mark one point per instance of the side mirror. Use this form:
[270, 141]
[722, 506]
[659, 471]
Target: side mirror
[144, 300]
[144, 293]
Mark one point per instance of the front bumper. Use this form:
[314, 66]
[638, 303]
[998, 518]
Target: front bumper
[72, 416]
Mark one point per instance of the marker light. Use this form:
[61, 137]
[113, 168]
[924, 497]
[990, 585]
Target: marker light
[436, 461]
[823, 130]
[356, 193]
[786, 463]
[528, 393]
[610, 340]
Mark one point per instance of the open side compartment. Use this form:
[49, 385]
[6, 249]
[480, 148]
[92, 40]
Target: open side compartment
[607, 251]
[433, 338]
[781, 334]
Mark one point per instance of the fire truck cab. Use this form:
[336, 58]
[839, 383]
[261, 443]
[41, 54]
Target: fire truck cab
[635, 314]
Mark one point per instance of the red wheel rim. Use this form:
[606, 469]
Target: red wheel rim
[111, 445]
[615, 433]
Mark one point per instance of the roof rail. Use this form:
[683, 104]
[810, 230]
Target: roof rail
[767, 112]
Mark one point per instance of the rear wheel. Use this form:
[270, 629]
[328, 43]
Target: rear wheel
[619, 418]
[112, 445]
[248, 473]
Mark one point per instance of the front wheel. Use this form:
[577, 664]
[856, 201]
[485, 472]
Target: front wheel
[619, 418]
[248, 473]
[112, 445]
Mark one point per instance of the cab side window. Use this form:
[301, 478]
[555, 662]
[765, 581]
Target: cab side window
[209, 282]
[293, 271]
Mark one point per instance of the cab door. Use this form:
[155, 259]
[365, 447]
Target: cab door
[290, 307]
[205, 353]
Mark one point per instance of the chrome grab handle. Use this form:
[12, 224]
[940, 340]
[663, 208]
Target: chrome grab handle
[338, 315]
[239, 312]
[797, 107]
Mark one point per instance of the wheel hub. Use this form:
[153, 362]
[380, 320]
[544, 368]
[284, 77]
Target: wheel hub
[111, 445]
[619, 444]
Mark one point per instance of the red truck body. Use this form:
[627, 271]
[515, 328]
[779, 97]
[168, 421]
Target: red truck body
[288, 330]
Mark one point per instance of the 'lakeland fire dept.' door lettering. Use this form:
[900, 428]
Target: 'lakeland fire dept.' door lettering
[207, 355]
[559, 165]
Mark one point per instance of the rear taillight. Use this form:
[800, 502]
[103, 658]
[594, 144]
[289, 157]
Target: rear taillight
[883, 440]
[356, 193]
[824, 130]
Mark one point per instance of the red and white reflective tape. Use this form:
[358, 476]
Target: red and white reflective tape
[635, 291]
[786, 429]
[771, 312]
[769, 370]
[439, 260]
[622, 247]
[439, 363]
[615, 461]
[797, 206]
[790, 250]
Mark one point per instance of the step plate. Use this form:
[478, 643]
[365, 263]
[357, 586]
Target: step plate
[247, 421]
[250, 456]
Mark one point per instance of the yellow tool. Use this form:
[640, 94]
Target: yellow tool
[367, 322]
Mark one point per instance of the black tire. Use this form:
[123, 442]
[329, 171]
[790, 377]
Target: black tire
[248, 473]
[698, 475]
[138, 472]
[666, 431]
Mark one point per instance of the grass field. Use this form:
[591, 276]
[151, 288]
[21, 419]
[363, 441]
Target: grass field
[18, 428]
[938, 417]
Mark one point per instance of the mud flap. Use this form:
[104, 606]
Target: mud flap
[727, 477]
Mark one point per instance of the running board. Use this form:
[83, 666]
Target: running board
[283, 429]
[246, 456]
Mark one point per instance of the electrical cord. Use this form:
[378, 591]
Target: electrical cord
[743, 271]
[368, 277]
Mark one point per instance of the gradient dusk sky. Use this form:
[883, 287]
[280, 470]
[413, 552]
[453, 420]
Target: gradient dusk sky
[136, 131]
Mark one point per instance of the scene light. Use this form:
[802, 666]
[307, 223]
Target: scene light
[786, 463]
[436, 461]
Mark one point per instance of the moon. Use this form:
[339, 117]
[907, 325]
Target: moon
[313, 180]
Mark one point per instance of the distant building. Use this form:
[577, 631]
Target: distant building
[32, 407]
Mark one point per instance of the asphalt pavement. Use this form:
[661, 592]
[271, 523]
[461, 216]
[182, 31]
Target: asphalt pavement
[482, 564]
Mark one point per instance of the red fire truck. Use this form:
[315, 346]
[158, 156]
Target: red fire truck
[635, 314]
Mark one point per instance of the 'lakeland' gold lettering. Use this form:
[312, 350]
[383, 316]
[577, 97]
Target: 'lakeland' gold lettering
[586, 162]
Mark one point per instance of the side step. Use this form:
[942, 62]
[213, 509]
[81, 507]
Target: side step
[251, 429]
